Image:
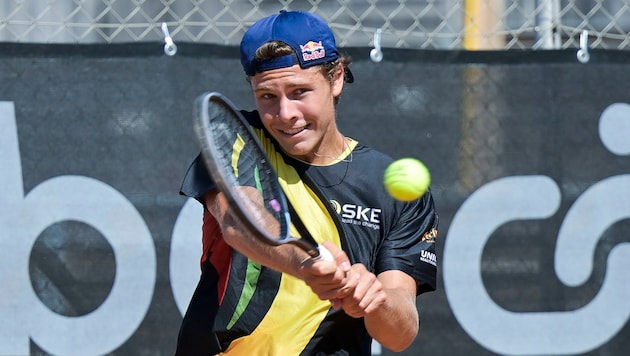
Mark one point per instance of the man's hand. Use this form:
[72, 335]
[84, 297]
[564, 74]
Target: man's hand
[386, 301]
[363, 293]
[327, 278]
[352, 288]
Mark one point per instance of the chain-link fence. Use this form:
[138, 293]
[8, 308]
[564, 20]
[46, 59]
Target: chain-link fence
[416, 24]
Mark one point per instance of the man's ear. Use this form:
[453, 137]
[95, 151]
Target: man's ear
[338, 81]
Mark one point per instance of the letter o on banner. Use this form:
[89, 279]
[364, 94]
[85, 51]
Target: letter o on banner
[94, 203]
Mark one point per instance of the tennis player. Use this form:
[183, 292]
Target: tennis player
[257, 299]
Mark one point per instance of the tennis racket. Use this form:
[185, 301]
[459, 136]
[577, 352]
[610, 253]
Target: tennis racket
[241, 170]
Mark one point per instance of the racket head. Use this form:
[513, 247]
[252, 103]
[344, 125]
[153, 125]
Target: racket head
[240, 168]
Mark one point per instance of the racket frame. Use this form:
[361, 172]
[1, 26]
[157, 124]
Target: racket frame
[201, 124]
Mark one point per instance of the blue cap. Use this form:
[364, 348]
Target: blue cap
[309, 36]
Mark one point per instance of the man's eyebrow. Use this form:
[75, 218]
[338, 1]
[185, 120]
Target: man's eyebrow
[288, 85]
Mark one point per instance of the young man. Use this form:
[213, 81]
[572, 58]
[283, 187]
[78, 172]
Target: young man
[256, 299]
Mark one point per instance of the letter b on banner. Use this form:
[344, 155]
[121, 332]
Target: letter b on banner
[24, 218]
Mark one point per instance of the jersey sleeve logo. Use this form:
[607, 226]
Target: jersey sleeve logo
[430, 236]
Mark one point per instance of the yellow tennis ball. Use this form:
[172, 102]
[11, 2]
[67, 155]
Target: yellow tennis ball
[407, 179]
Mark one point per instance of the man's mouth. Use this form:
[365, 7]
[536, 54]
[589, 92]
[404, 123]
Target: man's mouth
[294, 131]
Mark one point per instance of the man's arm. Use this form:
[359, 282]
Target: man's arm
[283, 258]
[396, 322]
[387, 303]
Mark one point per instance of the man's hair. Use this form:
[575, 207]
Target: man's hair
[274, 49]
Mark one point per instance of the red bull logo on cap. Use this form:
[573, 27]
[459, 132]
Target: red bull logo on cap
[312, 50]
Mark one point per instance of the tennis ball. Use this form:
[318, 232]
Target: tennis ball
[407, 179]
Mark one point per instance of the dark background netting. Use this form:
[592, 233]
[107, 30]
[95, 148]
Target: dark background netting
[122, 114]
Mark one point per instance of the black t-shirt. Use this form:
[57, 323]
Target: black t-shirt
[345, 202]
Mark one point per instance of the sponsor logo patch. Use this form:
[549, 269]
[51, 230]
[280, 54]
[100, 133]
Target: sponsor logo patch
[312, 50]
[430, 236]
[358, 215]
[428, 257]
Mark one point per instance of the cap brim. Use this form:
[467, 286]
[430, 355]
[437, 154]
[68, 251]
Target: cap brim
[348, 76]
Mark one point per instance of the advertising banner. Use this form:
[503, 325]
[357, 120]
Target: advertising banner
[529, 154]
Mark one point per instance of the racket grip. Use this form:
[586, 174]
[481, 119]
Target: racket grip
[324, 254]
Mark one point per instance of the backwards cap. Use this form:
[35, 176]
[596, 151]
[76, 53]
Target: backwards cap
[308, 35]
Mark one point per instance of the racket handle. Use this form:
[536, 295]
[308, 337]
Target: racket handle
[324, 254]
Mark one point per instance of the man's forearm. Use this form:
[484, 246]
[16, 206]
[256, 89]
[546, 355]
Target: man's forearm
[396, 323]
[282, 258]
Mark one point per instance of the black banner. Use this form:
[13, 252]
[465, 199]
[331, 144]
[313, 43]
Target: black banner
[529, 154]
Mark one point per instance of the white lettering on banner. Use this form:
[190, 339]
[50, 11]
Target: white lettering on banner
[538, 197]
[184, 269]
[24, 217]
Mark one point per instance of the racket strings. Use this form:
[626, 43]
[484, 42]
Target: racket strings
[248, 173]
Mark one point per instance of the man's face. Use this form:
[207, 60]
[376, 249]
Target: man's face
[296, 106]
